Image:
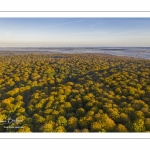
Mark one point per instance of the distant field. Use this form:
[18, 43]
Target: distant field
[58, 92]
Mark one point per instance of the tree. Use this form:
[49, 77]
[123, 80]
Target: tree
[107, 123]
[147, 124]
[85, 122]
[88, 105]
[48, 127]
[72, 123]
[37, 119]
[21, 111]
[47, 112]
[19, 98]
[2, 118]
[62, 121]
[138, 115]
[124, 118]
[138, 126]
[113, 114]
[24, 128]
[97, 117]
[85, 130]
[138, 104]
[68, 107]
[96, 127]
[80, 112]
[73, 103]
[55, 113]
[90, 113]
[60, 129]
[120, 128]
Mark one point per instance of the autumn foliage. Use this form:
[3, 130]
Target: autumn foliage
[74, 93]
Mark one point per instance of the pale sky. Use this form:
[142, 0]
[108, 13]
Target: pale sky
[74, 32]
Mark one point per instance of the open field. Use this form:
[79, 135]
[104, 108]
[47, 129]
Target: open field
[41, 92]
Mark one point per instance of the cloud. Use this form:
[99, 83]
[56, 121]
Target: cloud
[61, 24]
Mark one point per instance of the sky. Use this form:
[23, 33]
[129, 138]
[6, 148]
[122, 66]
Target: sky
[74, 32]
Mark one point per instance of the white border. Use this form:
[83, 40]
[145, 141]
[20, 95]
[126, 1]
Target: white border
[75, 135]
[74, 5]
[74, 14]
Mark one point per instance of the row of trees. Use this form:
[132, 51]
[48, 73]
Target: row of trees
[74, 93]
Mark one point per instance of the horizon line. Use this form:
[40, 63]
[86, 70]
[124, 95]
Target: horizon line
[65, 46]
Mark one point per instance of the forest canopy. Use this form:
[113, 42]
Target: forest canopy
[74, 93]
